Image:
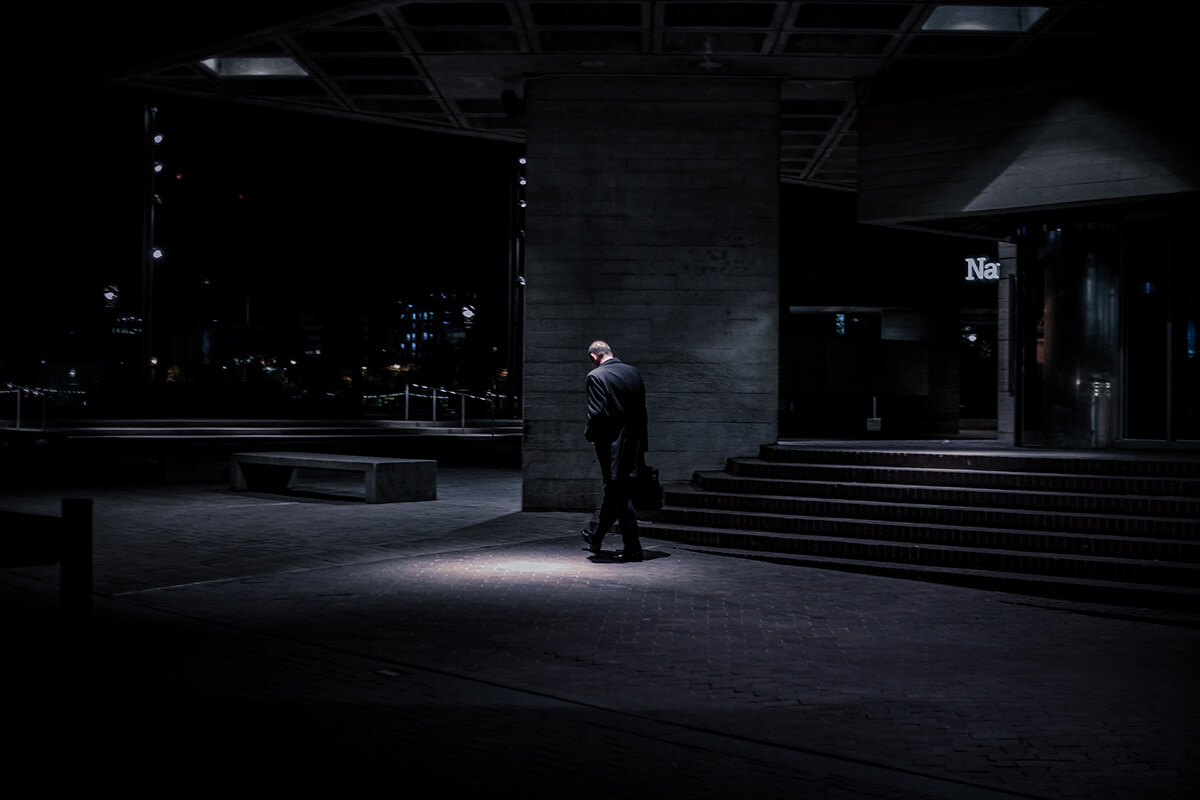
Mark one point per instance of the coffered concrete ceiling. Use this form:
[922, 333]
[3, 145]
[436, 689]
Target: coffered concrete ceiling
[458, 66]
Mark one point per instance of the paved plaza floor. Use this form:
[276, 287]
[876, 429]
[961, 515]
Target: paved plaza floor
[246, 642]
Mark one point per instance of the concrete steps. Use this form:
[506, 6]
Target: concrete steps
[1121, 528]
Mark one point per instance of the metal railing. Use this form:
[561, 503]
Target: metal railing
[415, 396]
[23, 392]
[416, 402]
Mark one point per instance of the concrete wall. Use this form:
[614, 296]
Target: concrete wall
[1021, 147]
[652, 223]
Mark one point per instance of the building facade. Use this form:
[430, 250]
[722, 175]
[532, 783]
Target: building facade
[658, 135]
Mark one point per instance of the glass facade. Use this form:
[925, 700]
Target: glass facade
[1161, 290]
[1106, 330]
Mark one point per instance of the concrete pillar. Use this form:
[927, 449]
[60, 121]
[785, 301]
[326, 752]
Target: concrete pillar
[1006, 300]
[652, 223]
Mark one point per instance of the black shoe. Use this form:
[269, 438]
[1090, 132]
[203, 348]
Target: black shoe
[587, 539]
[627, 557]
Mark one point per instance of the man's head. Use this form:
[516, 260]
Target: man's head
[599, 352]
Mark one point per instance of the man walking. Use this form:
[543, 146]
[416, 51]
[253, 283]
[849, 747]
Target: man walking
[616, 425]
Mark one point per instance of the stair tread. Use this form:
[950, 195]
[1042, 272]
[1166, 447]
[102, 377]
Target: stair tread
[1076, 462]
[942, 506]
[649, 532]
[753, 461]
[935, 525]
[923, 568]
[723, 475]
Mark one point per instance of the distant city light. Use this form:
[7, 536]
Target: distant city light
[156, 253]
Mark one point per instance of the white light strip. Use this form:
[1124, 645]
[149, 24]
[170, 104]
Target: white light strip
[995, 19]
[255, 67]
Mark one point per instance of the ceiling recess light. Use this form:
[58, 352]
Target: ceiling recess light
[255, 67]
[993, 19]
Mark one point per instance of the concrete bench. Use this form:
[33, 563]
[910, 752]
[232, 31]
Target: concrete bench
[387, 480]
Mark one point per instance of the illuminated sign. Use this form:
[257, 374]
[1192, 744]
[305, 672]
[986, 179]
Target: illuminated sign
[980, 269]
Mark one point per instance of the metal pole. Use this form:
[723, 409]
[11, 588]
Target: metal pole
[463, 421]
[18, 409]
[145, 370]
[406, 402]
[434, 392]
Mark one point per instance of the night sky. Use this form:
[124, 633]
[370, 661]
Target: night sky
[294, 200]
[263, 209]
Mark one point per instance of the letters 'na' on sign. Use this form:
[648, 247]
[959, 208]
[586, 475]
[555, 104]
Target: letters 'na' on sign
[980, 269]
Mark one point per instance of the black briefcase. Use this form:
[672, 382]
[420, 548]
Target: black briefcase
[647, 491]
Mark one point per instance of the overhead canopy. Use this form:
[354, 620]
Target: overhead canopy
[458, 66]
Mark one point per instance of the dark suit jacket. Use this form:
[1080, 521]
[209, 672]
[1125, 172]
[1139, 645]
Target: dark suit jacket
[616, 421]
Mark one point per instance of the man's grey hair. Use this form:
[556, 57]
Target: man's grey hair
[600, 349]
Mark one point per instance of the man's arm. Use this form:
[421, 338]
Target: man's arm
[597, 407]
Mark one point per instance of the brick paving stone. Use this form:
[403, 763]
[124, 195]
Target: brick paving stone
[315, 641]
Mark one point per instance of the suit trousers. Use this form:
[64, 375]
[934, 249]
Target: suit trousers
[618, 507]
